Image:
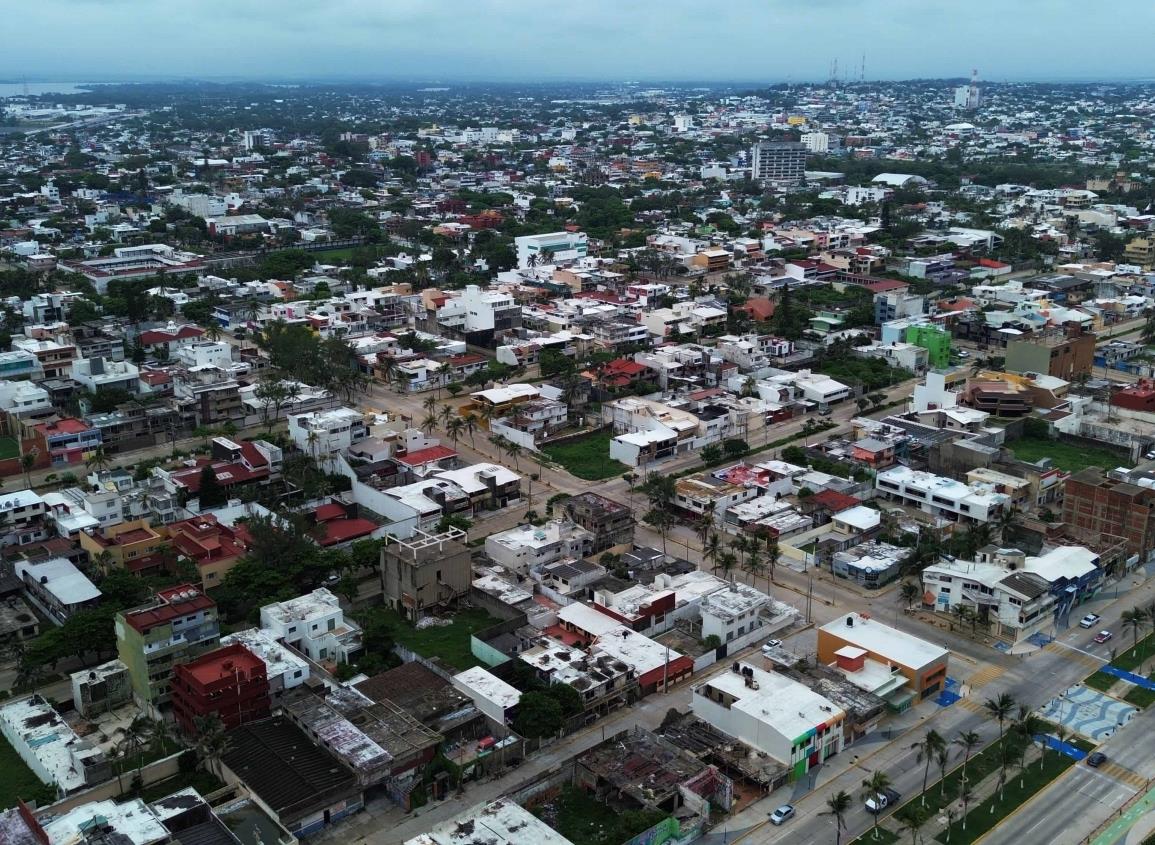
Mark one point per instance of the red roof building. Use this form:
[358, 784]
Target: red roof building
[170, 337]
[430, 455]
[231, 683]
[214, 547]
[338, 523]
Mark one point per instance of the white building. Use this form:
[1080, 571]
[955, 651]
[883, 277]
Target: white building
[315, 625]
[493, 696]
[501, 822]
[528, 547]
[772, 714]
[935, 494]
[551, 248]
[816, 142]
[96, 374]
[205, 353]
[49, 746]
[1013, 602]
[24, 399]
[478, 310]
[322, 433]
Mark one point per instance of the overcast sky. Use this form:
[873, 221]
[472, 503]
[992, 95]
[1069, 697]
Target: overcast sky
[726, 40]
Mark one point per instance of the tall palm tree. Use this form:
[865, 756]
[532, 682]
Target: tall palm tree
[454, 427]
[942, 757]
[1135, 619]
[1001, 708]
[837, 805]
[873, 786]
[98, 460]
[967, 741]
[1030, 726]
[27, 461]
[135, 738]
[712, 548]
[726, 562]
[928, 749]
[430, 421]
[213, 330]
[470, 421]
[429, 402]
[446, 415]
[773, 555]
[212, 742]
[513, 450]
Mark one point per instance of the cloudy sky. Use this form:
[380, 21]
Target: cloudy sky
[733, 40]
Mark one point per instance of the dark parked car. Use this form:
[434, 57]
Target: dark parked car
[1096, 759]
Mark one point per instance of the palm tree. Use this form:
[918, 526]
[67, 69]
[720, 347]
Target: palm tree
[727, 561]
[837, 805]
[213, 330]
[965, 795]
[942, 757]
[909, 592]
[1135, 619]
[1030, 726]
[98, 460]
[470, 426]
[773, 555]
[446, 415]
[712, 548]
[27, 461]
[928, 749]
[212, 743]
[429, 402]
[873, 786]
[913, 820]
[137, 734]
[161, 737]
[1001, 708]
[430, 421]
[968, 741]
[454, 427]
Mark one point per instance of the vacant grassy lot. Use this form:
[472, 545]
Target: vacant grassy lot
[584, 820]
[1066, 456]
[587, 458]
[447, 642]
[17, 780]
[330, 256]
[8, 448]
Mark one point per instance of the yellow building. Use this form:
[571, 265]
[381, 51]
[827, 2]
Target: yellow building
[129, 545]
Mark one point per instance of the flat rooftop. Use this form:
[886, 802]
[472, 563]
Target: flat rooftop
[884, 641]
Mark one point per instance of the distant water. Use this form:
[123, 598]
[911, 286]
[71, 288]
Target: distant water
[17, 89]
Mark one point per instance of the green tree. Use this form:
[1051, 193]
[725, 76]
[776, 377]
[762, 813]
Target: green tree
[928, 748]
[539, 715]
[211, 493]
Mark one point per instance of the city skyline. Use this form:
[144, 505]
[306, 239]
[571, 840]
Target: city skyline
[491, 41]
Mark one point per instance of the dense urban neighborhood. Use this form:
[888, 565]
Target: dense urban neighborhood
[603, 464]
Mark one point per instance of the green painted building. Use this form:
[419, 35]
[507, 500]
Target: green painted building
[934, 340]
[176, 626]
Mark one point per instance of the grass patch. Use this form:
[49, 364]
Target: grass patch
[9, 448]
[18, 781]
[1066, 456]
[1140, 697]
[584, 820]
[202, 782]
[886, 836]
[1100, 681]
[341, 254]
[587, 458]
[1133, 657]
[450, 642]
[1019, 789]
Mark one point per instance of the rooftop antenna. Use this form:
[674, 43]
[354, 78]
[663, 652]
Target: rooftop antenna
[862, 72]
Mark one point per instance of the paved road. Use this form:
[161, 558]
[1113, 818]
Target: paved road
[1032, 680]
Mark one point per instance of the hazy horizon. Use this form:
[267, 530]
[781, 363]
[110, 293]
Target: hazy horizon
[499, 41]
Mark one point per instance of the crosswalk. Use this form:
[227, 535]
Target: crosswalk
[984, 676]
[975, 705]
[1122, 773]
[1070, 655]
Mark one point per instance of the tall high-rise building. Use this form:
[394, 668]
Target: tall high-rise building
[778, 161]
[968, 97]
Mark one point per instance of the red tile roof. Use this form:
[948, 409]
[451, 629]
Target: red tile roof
[68, 425]
[170, 607]
[165, 336]
[834, 501]
[343, 530]
[427, 456]
[883, 285]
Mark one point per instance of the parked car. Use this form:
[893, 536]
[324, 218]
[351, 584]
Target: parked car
[880, 801]
[1089, 620]
[783, 813]
[1103, 636]
[770, 645]
[825, 412]
[1095, 759]
[1150, 455]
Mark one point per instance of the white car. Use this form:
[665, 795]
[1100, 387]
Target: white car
[1089, 620]
[770, 645]
[786, 811]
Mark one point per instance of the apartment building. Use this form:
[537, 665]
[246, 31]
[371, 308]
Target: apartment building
[1097, 506]
[610, 523]
[782, 162]
[67, 441]
[96, 374]
[940, 496]
[528, 547]
[551, 248]
[176, 626]
[230, 683]
[1010, 603]
[1063, 353]
[321, 433]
